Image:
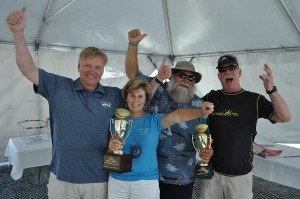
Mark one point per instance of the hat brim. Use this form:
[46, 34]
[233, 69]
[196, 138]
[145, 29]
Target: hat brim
[197, 75]
[227, 62]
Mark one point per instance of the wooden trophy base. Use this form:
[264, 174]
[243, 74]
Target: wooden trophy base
[117, 163]
[203, 172]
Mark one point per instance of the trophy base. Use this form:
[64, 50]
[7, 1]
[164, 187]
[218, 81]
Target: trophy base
[117, 163]
[203, 172]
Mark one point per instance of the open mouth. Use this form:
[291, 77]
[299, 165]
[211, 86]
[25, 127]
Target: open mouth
[229, 79]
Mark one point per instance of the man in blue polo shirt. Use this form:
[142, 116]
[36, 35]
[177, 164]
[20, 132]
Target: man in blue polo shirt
[79, 117]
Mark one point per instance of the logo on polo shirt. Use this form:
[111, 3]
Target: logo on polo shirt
[106, 104]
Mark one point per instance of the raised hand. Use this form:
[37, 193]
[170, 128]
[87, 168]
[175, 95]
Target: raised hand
[164, 71]
[135, 36]
[267, 78]
[16, 21]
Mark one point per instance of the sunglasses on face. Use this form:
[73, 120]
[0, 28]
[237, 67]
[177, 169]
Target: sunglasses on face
[230, 67]
[189, 77]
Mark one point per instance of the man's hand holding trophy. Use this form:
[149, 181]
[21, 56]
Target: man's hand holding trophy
[201, 140]
[120, 128]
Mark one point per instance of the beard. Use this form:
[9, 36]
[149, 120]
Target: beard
[179, 92]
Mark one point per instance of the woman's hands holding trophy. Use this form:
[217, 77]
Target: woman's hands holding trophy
[115, 160]
[115, 146]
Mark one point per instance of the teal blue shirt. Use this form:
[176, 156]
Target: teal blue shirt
[145, 134]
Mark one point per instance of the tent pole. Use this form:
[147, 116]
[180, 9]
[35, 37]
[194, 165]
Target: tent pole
[206, 54]
[38, 37]
[290, 16]
[38, 97]
[283, 49]
[60, 10]
[166, 16]
[155, 66]
[46, 19]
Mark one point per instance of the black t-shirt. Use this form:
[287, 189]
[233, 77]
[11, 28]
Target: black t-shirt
[233, 128]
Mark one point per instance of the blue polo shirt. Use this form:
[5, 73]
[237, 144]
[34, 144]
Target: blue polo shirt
[79, 123]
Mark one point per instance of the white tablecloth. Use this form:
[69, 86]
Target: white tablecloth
[284, 169]
[24, 155]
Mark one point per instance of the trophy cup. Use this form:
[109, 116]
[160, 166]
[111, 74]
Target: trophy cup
[200, 141]
[120, 128]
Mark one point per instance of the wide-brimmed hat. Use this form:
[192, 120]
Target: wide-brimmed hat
[185, 65]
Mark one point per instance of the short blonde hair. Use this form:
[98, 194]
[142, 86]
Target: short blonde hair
[91, 52]
[135, 84]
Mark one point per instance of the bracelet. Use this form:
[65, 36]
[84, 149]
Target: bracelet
[133, 44]
[158, 81]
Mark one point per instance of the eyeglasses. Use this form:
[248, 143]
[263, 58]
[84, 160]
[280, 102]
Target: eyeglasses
[230, 67]
[189, 77]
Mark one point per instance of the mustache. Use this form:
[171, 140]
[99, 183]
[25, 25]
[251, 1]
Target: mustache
[177, 84]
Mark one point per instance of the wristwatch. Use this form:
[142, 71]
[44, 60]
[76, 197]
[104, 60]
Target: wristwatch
[272, 91]
[158, 81]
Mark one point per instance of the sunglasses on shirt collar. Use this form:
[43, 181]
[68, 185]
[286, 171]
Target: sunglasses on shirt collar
[230, 67]
[189, 77]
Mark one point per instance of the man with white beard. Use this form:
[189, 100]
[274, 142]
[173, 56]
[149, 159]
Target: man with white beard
[175, 152]
[180, 91]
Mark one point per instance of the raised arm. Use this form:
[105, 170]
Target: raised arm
[16, 21]
[164, 72]
[281, 109]
[182, 115]
[131, 61]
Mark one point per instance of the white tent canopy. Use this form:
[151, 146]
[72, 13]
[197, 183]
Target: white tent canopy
[175, 27]
[256, 31]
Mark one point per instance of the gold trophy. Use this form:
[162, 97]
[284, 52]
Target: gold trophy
[200, 141]
[120, 129]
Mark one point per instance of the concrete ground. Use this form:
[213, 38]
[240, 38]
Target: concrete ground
[31, 186]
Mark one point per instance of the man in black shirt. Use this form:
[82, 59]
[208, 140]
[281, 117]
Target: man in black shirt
[233, 129]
